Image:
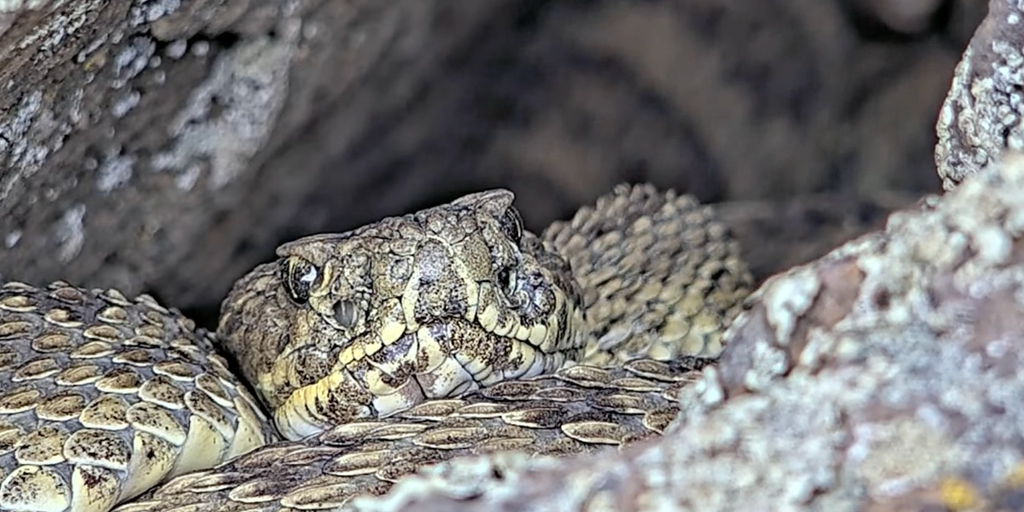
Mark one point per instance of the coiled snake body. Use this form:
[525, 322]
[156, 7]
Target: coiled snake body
[446, 332]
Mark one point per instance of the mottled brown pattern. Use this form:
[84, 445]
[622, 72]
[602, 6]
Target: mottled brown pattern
[477, 300]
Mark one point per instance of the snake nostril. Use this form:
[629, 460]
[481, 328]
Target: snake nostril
[507, 280]
[346, 313]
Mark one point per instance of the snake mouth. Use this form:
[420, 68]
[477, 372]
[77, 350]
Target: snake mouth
[450, 356]
[436, 361]
[456, 334]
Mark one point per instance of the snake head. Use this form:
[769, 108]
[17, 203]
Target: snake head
[371, 322]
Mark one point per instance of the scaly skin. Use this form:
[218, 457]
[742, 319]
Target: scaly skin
[101, 398]
[577, 410]
[405, 343]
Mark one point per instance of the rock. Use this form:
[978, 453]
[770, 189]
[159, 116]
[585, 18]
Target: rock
[165, 145]
[169, 146]
[883, 376]
[983, 114]
[782, 234]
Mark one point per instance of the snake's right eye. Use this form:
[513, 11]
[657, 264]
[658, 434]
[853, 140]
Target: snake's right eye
[299, 277]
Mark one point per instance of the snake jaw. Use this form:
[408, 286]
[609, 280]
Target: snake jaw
[333, 400]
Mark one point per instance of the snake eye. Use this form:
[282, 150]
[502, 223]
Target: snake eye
[300, 277]
[346, 313]
[512, 224]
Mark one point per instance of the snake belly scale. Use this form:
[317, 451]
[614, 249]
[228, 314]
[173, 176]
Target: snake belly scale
[365, 355]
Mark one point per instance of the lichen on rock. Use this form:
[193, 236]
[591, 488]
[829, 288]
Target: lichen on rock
[983, 114]
[122, 122]
[883, 376]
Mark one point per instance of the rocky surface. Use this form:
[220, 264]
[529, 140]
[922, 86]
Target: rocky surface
[168, 146]
[151, 144]
[983, 114]
[883, 376]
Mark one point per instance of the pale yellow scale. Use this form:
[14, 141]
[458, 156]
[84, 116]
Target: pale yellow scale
[101, 398]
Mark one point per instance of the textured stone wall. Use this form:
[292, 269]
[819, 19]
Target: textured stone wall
[170, 146]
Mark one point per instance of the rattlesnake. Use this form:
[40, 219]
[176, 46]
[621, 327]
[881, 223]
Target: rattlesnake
[409, 341]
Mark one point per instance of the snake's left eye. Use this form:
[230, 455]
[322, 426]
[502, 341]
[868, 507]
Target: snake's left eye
[299, 277]
[512, 224]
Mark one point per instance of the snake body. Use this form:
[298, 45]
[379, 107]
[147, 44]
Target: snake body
[448, 331]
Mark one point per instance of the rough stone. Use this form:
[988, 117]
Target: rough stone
[883, 376]
[188, 138]
[147, 145]
[983, 114]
